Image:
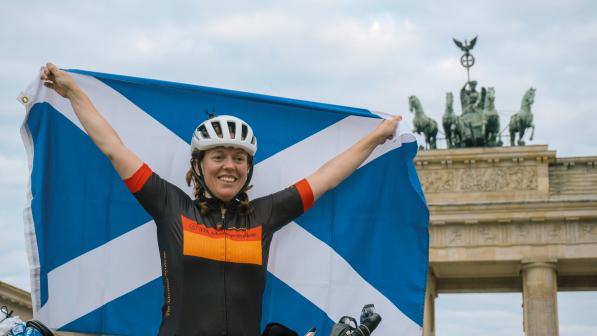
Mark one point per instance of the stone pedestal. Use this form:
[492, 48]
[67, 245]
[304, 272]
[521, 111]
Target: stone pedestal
[429, 313]
[540, 299]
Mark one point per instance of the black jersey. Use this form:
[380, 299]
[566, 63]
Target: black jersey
[213, 278]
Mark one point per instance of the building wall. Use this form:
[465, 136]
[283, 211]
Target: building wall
[19, 301]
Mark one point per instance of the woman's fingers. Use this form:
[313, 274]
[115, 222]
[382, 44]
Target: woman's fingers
[56, 79]
[52, 68]
[44, 73]
[49, 72]
[393, 124]
[395, 120]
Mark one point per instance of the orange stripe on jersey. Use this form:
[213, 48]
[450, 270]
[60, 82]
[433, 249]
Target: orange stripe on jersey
[138, 179]
[306, 193]
[236, 246]
[190, 225]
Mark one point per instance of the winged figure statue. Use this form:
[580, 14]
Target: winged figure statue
[466, 47]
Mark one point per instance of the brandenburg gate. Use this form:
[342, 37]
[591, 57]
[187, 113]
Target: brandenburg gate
[510, 219]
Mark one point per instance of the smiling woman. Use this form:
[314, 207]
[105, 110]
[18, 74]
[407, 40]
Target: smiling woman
[214, 248]
[221, 161]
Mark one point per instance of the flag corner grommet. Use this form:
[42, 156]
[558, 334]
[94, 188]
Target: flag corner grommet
[23, 98]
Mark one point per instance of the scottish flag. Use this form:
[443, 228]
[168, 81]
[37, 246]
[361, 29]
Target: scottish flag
[93, 250]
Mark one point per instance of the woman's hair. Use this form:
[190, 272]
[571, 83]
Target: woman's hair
[193, 180]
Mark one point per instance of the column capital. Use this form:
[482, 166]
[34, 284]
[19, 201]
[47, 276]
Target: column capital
[539, 263]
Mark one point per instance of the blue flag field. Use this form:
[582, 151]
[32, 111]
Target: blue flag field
[93, 253]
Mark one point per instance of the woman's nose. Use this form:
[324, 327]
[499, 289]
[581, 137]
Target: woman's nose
[228, 163]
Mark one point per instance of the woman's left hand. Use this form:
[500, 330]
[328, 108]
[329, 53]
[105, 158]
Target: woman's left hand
[387, 129]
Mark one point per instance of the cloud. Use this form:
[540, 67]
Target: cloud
[13, 259]
[580, 330]
[254, 26]
[479, 314]
[153, 44]
[14, 170]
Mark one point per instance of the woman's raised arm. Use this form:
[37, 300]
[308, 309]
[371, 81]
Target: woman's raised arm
[99, 130]
[340, 167]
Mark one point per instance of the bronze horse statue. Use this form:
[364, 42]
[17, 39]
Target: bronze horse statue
[492, 120]
[451, 123]
[522, 120]
[423, 124]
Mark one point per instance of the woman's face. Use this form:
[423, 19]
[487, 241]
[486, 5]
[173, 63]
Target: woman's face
[225, 171]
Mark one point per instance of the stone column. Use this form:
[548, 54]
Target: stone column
[539, 294]
[429, 313]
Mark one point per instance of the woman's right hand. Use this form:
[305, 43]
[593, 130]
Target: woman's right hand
[386, 129]
[58, 80]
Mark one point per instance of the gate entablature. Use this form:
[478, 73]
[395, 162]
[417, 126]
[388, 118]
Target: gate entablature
[485, 174]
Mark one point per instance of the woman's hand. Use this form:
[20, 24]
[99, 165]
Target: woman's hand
[58, 80]
[386, 130]
[99, 130]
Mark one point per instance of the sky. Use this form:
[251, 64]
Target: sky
[369, 54]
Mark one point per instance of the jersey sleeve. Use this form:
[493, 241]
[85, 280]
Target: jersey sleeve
[156, 195]
[288, 204]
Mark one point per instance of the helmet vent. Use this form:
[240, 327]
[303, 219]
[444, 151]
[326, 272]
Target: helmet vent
[232, 129]
[203, 131]
[244, 132]
[217, 128]
[253, 141]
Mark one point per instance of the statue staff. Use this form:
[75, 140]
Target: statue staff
[467, 60]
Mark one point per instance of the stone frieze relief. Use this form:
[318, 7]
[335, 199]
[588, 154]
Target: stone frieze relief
[512, 234]
[490, 179]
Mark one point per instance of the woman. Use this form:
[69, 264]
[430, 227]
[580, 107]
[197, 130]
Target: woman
[213, 249]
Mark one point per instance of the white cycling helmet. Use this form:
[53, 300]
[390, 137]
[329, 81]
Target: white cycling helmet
[227, 131]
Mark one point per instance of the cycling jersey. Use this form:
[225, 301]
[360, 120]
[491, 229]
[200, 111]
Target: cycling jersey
[213, 278]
